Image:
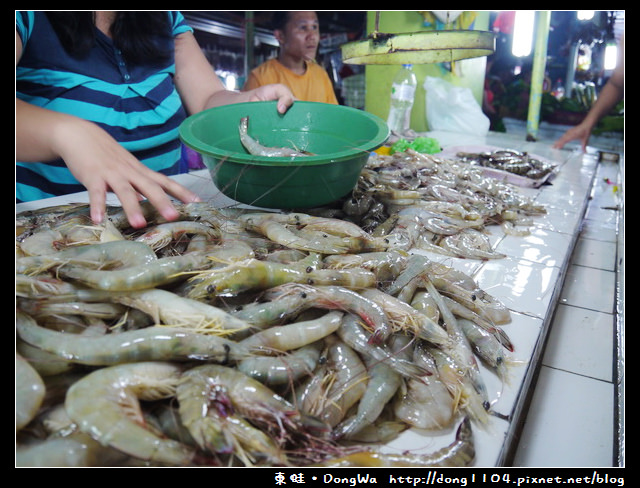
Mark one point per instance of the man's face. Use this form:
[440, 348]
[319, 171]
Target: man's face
[300, 36]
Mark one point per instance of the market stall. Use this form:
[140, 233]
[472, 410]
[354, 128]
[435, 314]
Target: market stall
[527, 280]
[472, 245]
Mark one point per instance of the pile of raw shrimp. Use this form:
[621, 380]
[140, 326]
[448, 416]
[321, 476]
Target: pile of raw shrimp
[444, 206]
[247, 338]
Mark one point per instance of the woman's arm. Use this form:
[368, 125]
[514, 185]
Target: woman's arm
[200, 88]
[97, 161]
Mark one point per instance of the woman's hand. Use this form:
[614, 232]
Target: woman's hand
[278, 92]
[97, 161]
[101, 164]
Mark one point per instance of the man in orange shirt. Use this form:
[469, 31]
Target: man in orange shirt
[298, 34]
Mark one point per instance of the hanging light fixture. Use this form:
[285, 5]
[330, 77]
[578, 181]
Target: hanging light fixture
[585, 14]
[610, 56]
[523, 33]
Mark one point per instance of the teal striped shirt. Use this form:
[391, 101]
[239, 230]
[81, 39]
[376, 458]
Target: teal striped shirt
[138, 105]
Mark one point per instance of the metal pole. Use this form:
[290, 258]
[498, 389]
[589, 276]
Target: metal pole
[537, 73]
[248, 42]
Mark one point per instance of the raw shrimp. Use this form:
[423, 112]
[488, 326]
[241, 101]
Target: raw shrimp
[257, 149]
[340, 298]
[460, 355]
[353, 334]
[416, 265]
[487, 347]
[461, 311]
[340, 384]
[45, 241]
[275, 228]
[454, 376]
[460, 453]
[471, 244]
[465, 290]
[163, 234]
[403, 317]
[44, 217]
[262, 314]
[382, 385]
[42, 286]
[406, 231]
[207, 411]
[162, 271]
[170, 309]
[255, 274]
[293, 336]
[105, 404]
[427, 403]
[210, 390]
[30, 391]
[75, 450]
[386, 266]
[358, 238]
[425, 304]
[46, 364]
[148, 344]
[47, 308]
[115, 253]
[283, 369]
[290, 230]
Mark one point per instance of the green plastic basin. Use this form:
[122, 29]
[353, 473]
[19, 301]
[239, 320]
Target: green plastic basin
[340, 138]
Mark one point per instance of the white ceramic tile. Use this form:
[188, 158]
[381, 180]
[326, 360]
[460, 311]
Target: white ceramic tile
[567, 194]
[581, 341]
[560, 218]
[569, 424]
[595, 254]
[522, 286]
[541, 246]
[600, 231]
[604, 214]
[606, 192]
[589, 288]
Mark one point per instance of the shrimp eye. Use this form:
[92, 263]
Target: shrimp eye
[304, 295]
[473, 297]
[309, 269]
[211, 289]
[309, 281]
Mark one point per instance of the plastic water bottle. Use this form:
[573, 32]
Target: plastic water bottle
[403, 91]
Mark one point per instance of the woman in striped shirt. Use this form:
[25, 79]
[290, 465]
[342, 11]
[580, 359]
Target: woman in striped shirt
[99, 99]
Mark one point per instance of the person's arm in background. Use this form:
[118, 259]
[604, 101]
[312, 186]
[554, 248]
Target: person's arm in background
[610, 95]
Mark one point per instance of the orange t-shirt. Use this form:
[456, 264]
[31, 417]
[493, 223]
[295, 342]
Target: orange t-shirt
[313, 86]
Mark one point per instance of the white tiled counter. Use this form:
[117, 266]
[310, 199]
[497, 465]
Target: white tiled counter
[528, 281]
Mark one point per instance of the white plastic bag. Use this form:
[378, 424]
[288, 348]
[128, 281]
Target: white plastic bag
[453, 108]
